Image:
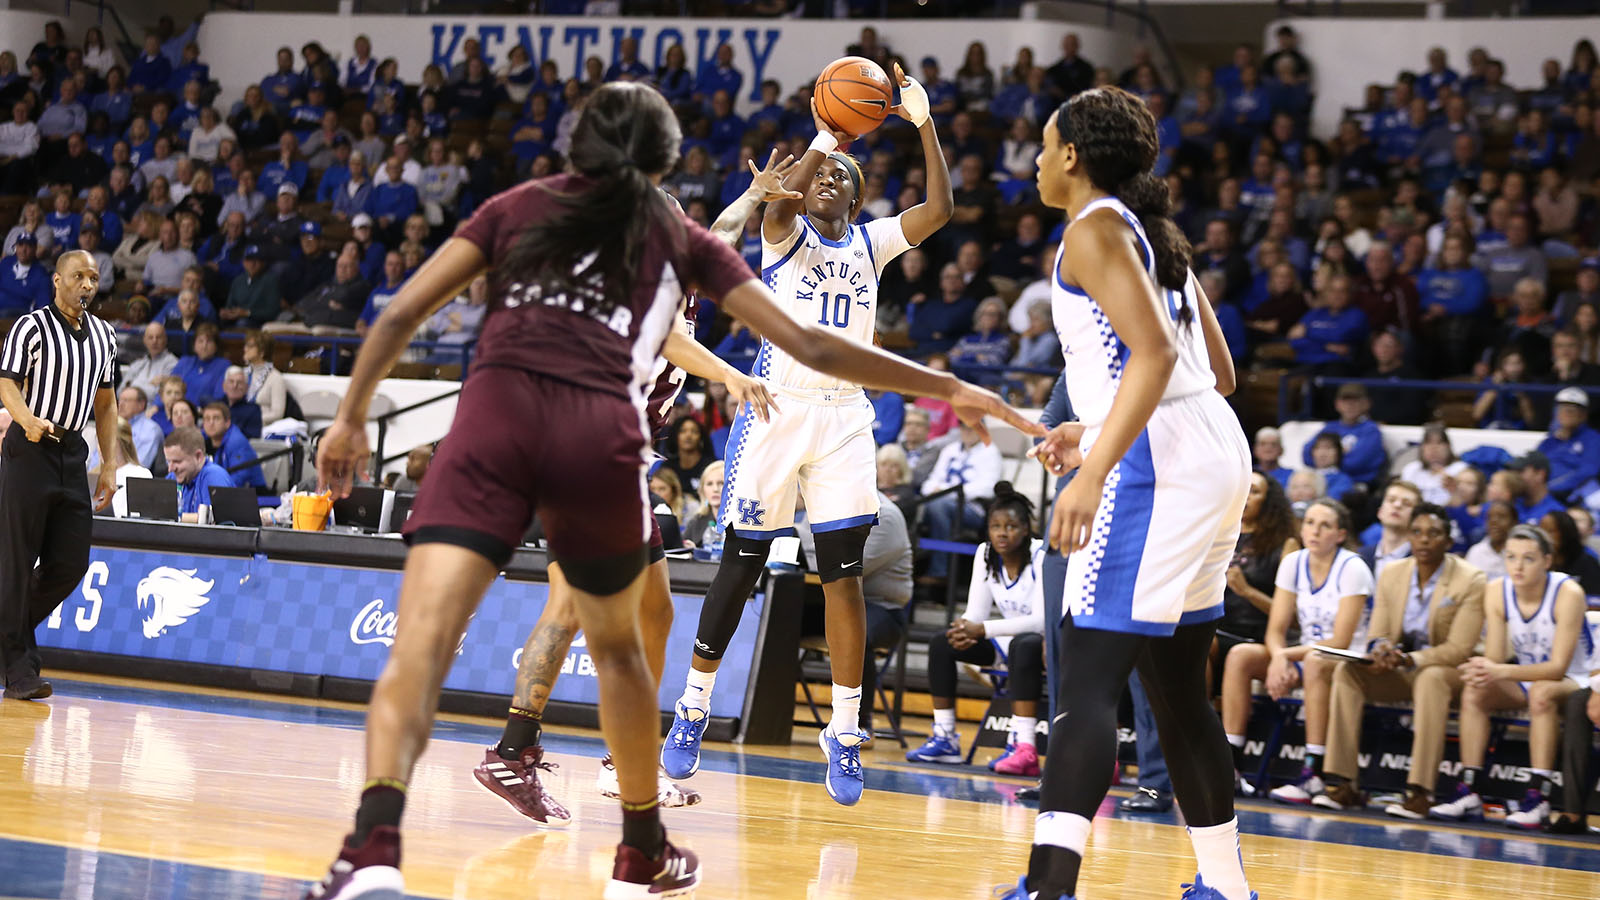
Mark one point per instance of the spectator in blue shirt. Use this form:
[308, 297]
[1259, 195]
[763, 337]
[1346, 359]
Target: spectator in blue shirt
[771, 106]
[63, 222]
[726, 127]
[232, 448]
[1247, 107]
[739, 347]
[394, 275]
[190, 69]
[283, 86]
[889, 413]
[359, 69]
[353, 194]
[393, 200]
[1536, 501]
[718, 74]
[1439, 75]
[24, 284]
[195, 473]
[1289, 93]
[287, 168]
[1268, 453]
[66, 116]
[1325, 455]
[306, 117]
[673, 79]
[1398, 143]
[1168, 136]
[203, 369]
[944, 98]
[150, 71]
[1360, 439]
[988, 344]
[116, 101]
[936, 323]
[627, 64]
[1573, 448]
[1330, 335]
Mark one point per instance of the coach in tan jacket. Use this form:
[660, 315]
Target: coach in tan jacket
[1414, 658]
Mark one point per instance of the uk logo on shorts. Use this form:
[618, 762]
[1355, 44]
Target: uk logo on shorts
[751, 512]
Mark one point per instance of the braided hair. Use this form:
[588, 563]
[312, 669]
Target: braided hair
[1115, 137]
[1006, 499]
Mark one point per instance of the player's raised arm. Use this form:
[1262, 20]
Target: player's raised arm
[767, 187]
[921, 221]
[778, 223]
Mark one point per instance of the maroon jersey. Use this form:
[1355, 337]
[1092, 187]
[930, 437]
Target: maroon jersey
[558, 336]
[669, 378]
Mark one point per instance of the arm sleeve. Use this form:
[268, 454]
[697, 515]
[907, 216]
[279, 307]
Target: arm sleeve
[979, 602]
[887, 240]
[1285, 578]
[1033, 622]
[21, 350]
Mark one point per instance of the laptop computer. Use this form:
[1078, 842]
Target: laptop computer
[367, 508]
[152, 498]
[235, 506]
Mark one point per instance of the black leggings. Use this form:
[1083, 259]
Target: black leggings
[743, 561]
[1083, 746]
[1025, 662]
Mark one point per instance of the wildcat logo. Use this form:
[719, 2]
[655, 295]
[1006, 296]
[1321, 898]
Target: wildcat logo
[168, 597]
[375, 625]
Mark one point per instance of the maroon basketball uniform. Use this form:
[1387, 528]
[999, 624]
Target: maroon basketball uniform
[552, 418]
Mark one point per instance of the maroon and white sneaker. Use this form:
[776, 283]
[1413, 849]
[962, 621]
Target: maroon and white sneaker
[668, 793]
[635, 876]
[368, 872]
[517, 783]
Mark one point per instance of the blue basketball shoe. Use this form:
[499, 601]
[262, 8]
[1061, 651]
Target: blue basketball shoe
[680, 754]
[1202, 891]
[939, 748]
[843, 778]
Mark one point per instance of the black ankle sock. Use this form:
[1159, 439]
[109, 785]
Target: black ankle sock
[641, 828]
[522, 731]
[1053, 872]
[381, 804]
[1313, 762]
[1471, 776]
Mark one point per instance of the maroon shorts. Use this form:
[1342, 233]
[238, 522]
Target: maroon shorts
[523, 444]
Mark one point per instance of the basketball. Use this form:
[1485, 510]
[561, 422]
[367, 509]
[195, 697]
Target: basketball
[853, 95]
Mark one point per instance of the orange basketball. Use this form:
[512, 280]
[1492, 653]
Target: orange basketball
[853, 95]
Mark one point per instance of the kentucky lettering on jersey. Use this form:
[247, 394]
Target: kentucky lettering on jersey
[831, 283]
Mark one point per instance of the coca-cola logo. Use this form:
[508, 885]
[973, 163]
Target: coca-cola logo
[373, 625]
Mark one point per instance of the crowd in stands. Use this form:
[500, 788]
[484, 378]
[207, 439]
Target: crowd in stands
[1446, 231]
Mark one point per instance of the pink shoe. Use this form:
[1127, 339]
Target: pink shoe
[1022, 760]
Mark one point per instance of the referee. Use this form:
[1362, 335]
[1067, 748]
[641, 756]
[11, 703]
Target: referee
[58, 366]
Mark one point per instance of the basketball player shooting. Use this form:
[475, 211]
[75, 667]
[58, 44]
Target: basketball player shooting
[823, 270]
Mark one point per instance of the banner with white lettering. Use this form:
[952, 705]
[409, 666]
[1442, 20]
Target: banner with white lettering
[789, 51]
[333, 620]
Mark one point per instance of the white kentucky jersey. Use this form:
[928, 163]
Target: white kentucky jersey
[1317, 605]
[1532, 639]
[1095, 354]
[1018, 601]
[831, 283]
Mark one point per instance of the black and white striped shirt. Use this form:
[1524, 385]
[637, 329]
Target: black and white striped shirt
[60, 368]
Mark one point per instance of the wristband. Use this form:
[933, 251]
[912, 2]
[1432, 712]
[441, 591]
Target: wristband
[824, 143]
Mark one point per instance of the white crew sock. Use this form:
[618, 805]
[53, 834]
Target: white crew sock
[697, 691]
[1061, 829]
[846, 710]
[944, 722]
[1025, 729]
[1236, 740]
[1216, 848]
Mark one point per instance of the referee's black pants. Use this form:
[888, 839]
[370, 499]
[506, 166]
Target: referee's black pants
[45, 517]
[1577, 744]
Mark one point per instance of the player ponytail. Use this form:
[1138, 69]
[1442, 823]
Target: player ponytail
[1006, 499]
[1115, 136]
[593, 244]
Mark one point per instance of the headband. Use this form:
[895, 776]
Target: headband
[851, 170]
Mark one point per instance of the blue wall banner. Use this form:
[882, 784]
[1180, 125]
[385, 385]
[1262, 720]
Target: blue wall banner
[338, 621]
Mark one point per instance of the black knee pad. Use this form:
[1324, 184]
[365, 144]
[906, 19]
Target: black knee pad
[606, 575]
[840, 553]
[743, 560]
